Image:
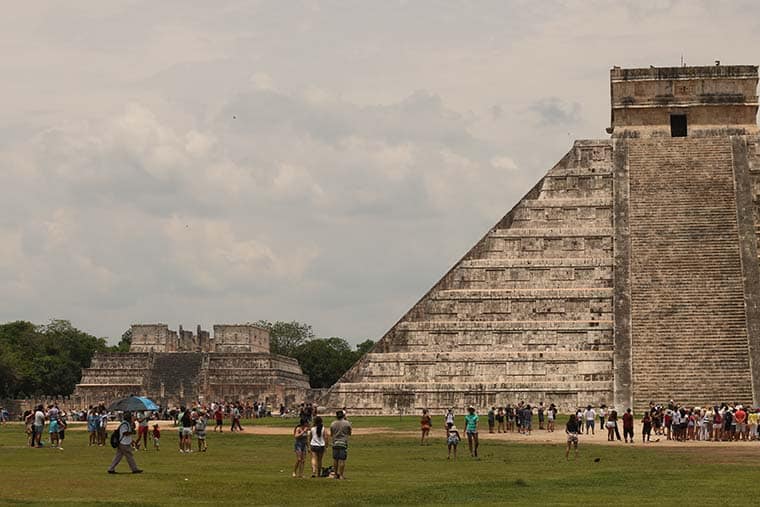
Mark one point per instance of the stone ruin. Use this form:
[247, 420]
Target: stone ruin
[629, 273]
[178, 367]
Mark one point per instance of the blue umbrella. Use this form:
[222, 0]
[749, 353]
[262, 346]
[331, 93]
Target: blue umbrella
[133, 404]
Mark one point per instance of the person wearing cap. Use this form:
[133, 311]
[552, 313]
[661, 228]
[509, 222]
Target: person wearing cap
[124, 450]
[471, 429]
[452, 439]
[340, 430]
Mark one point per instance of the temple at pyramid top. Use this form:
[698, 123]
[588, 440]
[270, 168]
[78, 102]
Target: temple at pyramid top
[684, 101]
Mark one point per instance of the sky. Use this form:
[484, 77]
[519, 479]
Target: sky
[326, 162]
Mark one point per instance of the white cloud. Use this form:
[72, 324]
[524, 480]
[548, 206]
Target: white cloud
[265, 160]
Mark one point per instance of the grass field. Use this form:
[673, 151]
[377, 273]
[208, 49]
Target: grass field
[383, 468]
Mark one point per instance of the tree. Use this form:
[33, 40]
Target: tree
[363, 348]
[286, 337]
[125, 343]
[44, 360]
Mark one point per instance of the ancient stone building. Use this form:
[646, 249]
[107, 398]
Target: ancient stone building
[176, 367]
[629, 273]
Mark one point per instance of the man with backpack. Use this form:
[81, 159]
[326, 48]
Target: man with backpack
[121, 440]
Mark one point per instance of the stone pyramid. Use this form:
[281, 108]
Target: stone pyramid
[629, 273]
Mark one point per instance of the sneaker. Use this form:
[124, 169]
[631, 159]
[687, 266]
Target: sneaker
[138, 471]
[112, 471]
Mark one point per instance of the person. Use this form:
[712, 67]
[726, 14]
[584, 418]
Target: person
[426, 422]
[340, 431]
[38, 426]
[53, 430]
[102, 427]
[551, 416]
[219, 418]
[500, 421]
[571, 429]
[200, 431]
[156, 437]
[541, 415]
[142, 430]
[590, 419]
[124, 450]
[611, 426]
[471, 429]
[236, 419]
[317, 444]
[301, 436]
[449, 418]
[602, 415]
[92, 426]
[740, 416]
[452, 439]
[646, 429]
[628, 426]
[491, 419]
[28, 425]
[186, 429]
[63, 419]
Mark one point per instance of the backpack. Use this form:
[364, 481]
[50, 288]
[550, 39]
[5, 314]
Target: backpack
[116, 437]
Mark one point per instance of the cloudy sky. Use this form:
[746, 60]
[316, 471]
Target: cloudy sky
[209, 162]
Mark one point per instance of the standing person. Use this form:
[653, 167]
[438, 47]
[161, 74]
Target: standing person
[92, 426]
[156, 437]
[471, 429]
[628, 425]
[200, 431]
[646, 427]
[53, 430]
[612, 426]
[219, 418]
[301, 436]
[63, 423]
[527, 419]
[571, 429]
[318, 443]
[28, 425]
[186, 429]
[551, 416]
[340, 431]
[452, 439]
[142, 430]
[541, 415]
[449, 418]
[491, 419]
[426, 422]
[38, 426]
[124, 450]
[602, 415]
[590, 415]
[500, 421]
[102, 427]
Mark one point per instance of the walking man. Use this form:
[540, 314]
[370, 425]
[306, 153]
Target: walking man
[124, 450]
[340, 431]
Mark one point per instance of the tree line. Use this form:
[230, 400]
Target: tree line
[48, 359]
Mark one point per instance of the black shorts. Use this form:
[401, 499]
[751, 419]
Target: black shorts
[340, 453]
[318, 449]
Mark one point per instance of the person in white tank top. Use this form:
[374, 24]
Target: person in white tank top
[318, 441]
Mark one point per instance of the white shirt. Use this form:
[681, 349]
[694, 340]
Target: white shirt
[317, 441]
[590, 414]
[123, 428]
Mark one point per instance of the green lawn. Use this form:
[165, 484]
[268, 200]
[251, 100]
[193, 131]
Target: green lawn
[382, 469]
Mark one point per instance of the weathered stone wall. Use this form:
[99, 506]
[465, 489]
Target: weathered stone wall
[525, 315]
[181, 377]
[153, 338]
[718, 98]
[240, 338]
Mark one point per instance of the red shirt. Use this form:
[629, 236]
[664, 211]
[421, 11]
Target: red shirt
[628, 421]
[741, 416]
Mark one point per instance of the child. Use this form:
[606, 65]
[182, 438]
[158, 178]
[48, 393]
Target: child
[156, 437]
[200, 431]
[452, 440]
